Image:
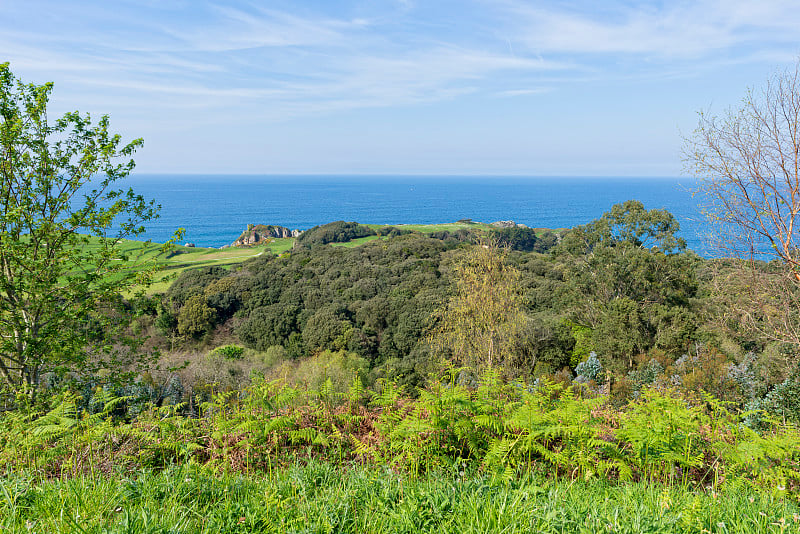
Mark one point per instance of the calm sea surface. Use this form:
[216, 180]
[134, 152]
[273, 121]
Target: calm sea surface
[215, 209]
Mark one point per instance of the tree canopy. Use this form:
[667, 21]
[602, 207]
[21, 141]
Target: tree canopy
[62, 225]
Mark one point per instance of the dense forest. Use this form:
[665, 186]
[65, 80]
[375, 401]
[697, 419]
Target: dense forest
[618, 304]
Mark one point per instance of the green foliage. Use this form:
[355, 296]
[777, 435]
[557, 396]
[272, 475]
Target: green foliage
[602, 289]
[191, 283]
[590, 370]
[481, 324]
[195, 317]
[583, 340]
[374, 300]
[784, 400]
[517, 238]
[664, 433]
[322, 497]
[391, 231]
[232, 352]
[326, 330]
[646, 374]
[338, 367]
[627, 224]
[61, 260]
[335, 232]
[464, 421]
[629, 279]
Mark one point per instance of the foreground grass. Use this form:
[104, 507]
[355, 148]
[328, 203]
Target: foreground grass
[319, 497]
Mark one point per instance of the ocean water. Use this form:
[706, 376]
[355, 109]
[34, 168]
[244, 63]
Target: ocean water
[215, 209]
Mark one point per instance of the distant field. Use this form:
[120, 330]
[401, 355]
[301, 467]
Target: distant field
[182, 258]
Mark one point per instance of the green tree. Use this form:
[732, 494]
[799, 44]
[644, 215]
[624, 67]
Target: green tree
[196, 317]
[623, 274]
[483, 323]
[62, 220]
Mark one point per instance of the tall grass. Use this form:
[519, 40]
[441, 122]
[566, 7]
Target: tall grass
[323, 497]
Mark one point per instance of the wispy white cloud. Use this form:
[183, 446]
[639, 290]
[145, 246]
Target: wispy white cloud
[229, 29]
[666, 30]
[524, 92]
[195, 65]
[295, 64]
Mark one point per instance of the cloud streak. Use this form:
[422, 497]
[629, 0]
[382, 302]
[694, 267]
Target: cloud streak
[670, 30]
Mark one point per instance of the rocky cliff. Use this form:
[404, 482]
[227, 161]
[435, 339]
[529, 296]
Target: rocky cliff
[260, 233]
[508, 224]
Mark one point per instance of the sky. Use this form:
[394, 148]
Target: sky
[482, 87]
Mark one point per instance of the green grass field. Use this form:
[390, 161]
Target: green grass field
[320, 497]
[182, 258]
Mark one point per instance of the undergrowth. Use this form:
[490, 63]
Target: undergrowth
[500, 430]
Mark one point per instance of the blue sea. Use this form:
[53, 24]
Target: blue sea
[215, 209]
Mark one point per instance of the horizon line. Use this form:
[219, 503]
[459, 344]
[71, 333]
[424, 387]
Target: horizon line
[409, 175]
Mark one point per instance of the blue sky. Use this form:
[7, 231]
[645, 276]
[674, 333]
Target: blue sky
[405, 86]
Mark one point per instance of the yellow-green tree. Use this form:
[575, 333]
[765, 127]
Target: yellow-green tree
[482, 324]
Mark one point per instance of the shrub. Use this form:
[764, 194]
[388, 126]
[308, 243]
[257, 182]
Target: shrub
[646, 374]
[196, 317]
[545, 242]
[232, 352]
[784, 400]
[335, 232]
[193, 282]
[517, 238]
[591, 369]
[273, 355]
[392, 231]
[166, 322]
[325, 330]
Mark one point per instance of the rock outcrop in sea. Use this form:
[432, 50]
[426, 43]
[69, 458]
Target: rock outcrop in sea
[260, 233]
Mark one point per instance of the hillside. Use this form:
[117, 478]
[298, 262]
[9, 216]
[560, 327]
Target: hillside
[261, 239]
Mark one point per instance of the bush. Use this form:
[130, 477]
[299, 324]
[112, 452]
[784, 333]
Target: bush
[784, 400]
[517, 238]
[273, 355]
[325, 330]
[392, 231]
[196, 317]
[340, 367]
[545, 242]
[335, 232]
[193, 282]
[232, 352]
[269, 325]
[589, 370]
[166, 322]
